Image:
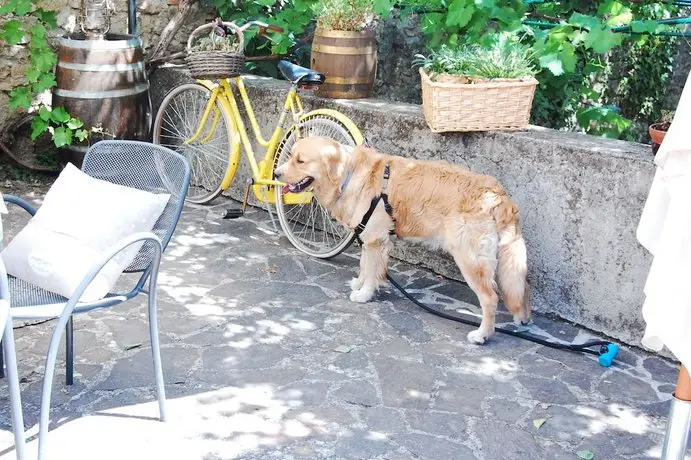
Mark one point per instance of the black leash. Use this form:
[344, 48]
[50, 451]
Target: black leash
[607, 351]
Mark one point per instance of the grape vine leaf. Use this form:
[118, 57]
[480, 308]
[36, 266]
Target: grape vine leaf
[568, 57]
[12, 32]
[43, 59]
[44, 113]
[59, 115]
[45, 81]
[585, 21]
[18, 7]
[32, 74]
[602, 39]
[81, 134]
[38, 127]
[49, 18]
[459, 13]
[553, 63]
[20, 97]
[62, 136]
[75, 123]
[642, 27]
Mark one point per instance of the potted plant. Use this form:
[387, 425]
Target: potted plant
[658, 130]
[471, 88]
[344, 47]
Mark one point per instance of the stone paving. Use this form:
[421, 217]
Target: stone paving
[266, 358]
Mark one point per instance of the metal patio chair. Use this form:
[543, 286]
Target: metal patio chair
[139, 165]
[7, 334]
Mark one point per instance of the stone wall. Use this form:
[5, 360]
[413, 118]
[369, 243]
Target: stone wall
[399, 40]
[580, 199]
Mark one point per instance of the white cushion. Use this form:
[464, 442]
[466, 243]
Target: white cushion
[81, 219]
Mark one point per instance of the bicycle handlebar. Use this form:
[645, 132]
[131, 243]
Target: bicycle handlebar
[262, 26]
[237, 30]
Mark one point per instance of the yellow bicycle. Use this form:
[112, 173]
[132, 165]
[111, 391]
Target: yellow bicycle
[202, 121]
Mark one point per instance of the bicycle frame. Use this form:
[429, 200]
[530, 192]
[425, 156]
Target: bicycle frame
[262, 172]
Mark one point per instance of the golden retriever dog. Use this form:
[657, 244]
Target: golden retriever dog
[443, 205]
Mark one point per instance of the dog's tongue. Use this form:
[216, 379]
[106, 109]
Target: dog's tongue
[286, 189]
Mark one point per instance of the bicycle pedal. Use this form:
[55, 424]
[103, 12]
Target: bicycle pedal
[232, 213]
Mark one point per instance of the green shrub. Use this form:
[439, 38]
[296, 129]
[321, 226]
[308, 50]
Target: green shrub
[506, 59]
[346, 15]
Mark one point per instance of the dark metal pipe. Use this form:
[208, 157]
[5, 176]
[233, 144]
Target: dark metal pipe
[132, 17]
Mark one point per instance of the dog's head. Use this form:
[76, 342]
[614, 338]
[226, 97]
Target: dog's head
[314, 161]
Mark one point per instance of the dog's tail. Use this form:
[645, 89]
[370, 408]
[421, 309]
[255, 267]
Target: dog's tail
[512, 266]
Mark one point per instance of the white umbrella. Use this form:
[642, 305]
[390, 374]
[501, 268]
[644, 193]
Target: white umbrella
[665, 231]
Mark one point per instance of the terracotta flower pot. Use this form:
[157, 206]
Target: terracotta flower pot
[657, 132]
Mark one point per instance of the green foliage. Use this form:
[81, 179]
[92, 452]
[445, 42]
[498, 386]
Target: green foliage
[294, 16]
[573, 50]
[591, 77]
[28, 26]
[507, 59]
[347, 15]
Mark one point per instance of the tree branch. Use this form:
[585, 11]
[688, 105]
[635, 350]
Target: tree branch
[171, 29]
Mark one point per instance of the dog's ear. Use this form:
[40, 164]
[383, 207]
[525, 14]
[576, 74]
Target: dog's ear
[332, 158]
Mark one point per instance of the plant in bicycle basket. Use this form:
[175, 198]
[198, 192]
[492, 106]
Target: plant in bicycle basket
[221, 38]
[28, 26]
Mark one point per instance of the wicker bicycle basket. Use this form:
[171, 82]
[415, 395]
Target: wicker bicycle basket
[209, 65]
[454, 104]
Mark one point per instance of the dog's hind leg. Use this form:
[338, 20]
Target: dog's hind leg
[478, 264]
[373, 265]
[511, 274]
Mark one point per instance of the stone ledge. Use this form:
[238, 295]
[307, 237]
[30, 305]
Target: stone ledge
[580, 199]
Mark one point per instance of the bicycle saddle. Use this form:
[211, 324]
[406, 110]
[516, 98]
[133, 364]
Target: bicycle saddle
[300, 75]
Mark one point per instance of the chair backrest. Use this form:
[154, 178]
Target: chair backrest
[147, 167]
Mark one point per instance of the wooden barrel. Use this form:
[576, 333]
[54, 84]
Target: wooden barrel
[104, 83]
[349, 61]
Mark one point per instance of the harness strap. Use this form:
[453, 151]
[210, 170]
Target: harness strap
[373, 205]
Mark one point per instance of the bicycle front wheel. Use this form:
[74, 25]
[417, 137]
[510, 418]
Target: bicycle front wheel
[309, 226]
[178, 120]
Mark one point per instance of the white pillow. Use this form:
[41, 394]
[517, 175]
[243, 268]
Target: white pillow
[80, 220]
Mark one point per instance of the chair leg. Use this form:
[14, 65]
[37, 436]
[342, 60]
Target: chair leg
[69, 352]
[44, 420]
[13, 384]
[679, 420]
[2, 364]
[156, 350]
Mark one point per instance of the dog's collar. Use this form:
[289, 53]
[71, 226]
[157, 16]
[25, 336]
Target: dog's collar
[346, 181]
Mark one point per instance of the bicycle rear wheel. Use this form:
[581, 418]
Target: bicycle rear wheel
[309, 226]
[177, 120]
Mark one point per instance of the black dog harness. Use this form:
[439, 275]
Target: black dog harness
[373, 205]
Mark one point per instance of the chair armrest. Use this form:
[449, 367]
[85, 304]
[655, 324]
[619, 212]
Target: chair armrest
[97, 267]
[15, 200]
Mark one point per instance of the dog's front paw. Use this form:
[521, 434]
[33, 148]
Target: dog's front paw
[361, 295]
[356, 284]
[477, 337]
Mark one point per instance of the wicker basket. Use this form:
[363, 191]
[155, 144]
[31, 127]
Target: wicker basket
[210, 65]
[455, 104]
